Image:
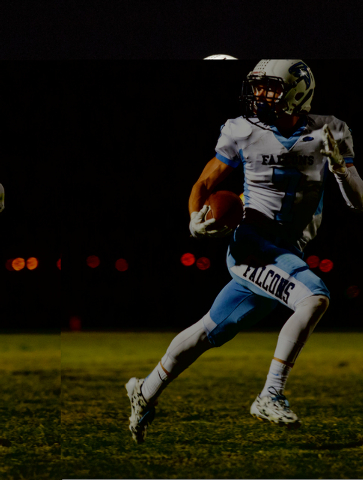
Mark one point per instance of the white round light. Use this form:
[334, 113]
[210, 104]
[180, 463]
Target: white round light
[220, 57]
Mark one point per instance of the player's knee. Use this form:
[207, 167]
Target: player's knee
[321, 303]
[316, 302]
[314, 307]
[192, 338]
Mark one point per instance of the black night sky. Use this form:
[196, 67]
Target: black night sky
[98, 158]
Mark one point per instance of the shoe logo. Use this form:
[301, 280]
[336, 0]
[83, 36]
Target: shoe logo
[307, 139]
[276, 374]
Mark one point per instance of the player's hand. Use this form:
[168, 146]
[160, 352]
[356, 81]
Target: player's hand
[2, 198]
[198, 226]
[336, 160]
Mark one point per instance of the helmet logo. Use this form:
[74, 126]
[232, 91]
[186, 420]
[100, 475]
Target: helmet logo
[300, 69]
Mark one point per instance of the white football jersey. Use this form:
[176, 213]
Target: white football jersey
[284, 177]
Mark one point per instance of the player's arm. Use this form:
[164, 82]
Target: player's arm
[349, 181]
[351, 186]
[2, 198]
[213, 173]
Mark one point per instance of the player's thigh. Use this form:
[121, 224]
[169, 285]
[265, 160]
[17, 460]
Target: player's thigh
[272, 272]
[235, 308]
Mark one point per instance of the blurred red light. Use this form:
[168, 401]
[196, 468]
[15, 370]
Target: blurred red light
[93, 261]
[18, 264]
[203, 263]
[121, 265]
[352, 291]
[187, 259]
[75, 324]
[326, 265]
[313, 261]
[9, 264]
[59, 264]
[32, 263]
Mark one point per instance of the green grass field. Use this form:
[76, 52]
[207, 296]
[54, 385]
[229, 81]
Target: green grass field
[203, 428]
[29, 407]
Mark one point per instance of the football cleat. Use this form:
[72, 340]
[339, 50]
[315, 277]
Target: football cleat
[275, 409]
[142, 412]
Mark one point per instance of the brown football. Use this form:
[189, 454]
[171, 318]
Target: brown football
[226, 207]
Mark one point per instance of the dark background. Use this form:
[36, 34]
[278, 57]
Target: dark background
[181, 29]
[98, 158]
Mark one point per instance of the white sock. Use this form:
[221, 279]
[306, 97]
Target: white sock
[184, 349]
[155, 382]
[292, 339]
[276, 378]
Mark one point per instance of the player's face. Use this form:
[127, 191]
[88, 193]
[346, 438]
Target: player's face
[267, 92]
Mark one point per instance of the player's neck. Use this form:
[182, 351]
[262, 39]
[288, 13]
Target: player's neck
[288, 124]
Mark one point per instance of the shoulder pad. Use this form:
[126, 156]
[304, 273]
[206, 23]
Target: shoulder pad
[240, 128]
[320, 120]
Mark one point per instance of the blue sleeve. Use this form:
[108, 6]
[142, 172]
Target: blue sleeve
[226, 147]
[232, 163]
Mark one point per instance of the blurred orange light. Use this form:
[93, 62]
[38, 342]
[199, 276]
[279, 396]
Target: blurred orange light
[326, 265]
[313, 261]
[18, 264]
[9, 264]
[203, 263]
[93, 261]
[187, 259]
[121, 265]
[75, 324]
[59, 264]
[32, 263]
[352, 291]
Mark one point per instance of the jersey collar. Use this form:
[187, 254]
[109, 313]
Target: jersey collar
[288, 143]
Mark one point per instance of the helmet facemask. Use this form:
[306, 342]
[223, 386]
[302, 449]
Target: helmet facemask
[263, 97]
[288, 87]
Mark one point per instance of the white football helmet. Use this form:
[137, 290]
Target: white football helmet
[290, 82]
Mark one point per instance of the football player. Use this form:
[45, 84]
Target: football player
[287, 155]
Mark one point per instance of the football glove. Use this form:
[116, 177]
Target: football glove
[2, 198]
[198, 226]
[336, 160]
